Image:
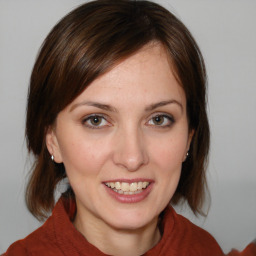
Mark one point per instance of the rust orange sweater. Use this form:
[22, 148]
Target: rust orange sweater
[250, 250]
[58, 237]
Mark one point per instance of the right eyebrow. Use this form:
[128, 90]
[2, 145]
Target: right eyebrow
[163, 103]
[94, 104]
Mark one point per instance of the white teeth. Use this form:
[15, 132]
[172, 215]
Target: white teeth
[144, 184]
[139, 185]
[118, 185]
[133, 187]
[127, 188]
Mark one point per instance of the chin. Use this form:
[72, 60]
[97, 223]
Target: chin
[131, 220]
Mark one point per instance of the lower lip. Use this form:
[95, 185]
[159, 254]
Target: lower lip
[130, 198]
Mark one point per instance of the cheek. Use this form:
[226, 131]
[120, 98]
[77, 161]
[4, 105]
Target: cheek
[167, 158]
[169, 153]
[82, 156]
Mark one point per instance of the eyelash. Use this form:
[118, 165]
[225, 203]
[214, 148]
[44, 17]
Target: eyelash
[89, 118]
[169, 118]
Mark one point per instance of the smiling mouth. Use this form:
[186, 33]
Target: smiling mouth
[128, 188]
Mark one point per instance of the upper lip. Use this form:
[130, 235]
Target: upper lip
[129, 180]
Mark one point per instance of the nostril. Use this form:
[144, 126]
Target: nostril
[130, 151]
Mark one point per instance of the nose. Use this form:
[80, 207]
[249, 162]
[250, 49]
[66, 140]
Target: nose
[130, 150]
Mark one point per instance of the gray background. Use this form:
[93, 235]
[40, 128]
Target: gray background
[225, 31]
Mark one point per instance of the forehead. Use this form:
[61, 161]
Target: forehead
[146, 75]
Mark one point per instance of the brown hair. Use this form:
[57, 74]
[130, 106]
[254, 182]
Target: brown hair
[84, 45]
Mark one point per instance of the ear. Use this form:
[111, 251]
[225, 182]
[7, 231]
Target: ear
[53, 145]
[190, 137]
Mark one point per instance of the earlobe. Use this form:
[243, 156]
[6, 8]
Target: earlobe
[53, 146]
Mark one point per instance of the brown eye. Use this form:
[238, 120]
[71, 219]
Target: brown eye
[158, 120]
[95, 121]
[161, 121]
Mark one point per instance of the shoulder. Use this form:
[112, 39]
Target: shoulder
[250, 250]
[192, 238]
[16, 248]
[39, 242]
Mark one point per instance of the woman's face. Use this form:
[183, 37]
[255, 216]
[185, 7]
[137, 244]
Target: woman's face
[123, 141]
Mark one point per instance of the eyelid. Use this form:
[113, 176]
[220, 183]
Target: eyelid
[163, 114]
[87, 117]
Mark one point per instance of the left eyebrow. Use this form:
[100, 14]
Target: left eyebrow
[163, 103]
[94, 104]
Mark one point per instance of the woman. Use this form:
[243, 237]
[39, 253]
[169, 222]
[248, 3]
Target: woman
[116, 106]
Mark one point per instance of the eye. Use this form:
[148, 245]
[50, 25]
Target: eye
[95, 121]
[161, 120]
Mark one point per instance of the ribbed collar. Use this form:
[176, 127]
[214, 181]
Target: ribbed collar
[72, 242]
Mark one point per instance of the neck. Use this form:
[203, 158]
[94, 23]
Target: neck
[113, 241]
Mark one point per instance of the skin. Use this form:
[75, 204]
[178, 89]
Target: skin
[142, 134]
